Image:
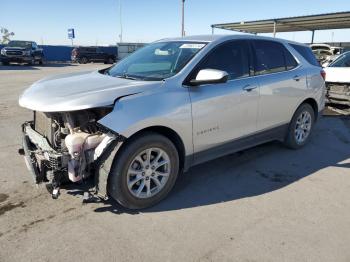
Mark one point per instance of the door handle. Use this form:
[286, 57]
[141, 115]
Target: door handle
[249, 88]
[296, 78]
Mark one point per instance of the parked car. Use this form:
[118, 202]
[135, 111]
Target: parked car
[325, 54]
[22, 52]
[171, 105]
[338, 81]
[85, 55]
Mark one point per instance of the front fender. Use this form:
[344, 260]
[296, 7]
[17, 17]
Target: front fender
[171, 109]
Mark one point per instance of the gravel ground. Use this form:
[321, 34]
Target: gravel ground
[264, 204]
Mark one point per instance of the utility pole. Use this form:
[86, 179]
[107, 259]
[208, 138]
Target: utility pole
[183, 19]
[120, 20]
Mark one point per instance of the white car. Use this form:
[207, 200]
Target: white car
[338, 80]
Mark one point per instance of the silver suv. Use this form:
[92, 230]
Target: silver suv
[171, 105]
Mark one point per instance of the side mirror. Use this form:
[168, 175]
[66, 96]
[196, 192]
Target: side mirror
[209, 76]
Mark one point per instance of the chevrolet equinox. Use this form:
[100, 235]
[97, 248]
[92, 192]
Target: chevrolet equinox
[171, 105]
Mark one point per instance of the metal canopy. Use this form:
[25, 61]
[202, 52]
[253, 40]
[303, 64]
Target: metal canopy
[312, 23]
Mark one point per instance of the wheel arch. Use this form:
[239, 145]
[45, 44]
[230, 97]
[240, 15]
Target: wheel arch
[167, 132]
[313, 103]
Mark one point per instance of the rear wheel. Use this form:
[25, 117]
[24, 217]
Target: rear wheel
[300, 127]
[83, 60]
[144, 171]
[110, 60]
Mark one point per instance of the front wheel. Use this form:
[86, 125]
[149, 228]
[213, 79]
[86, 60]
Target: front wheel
[31, 61]
[300, 127]
[144, 171]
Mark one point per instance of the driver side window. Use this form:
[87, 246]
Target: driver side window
[231, 57]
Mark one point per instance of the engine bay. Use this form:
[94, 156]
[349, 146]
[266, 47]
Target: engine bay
[65, 146]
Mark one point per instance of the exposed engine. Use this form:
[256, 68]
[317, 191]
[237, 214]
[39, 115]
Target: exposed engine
[66, 145]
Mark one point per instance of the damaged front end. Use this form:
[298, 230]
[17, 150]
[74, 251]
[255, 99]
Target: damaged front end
[338, 97]
[67, 146]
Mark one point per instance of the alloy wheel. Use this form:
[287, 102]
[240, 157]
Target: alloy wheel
[303, 127]
[148, 172]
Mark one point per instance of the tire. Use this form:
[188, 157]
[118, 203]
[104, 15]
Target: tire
[127, 159]
[41, 61]
[83, 60]
[110, 60]
[5, 63]
[294, 138]
[31, 62]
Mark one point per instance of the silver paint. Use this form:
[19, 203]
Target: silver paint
[234, 109]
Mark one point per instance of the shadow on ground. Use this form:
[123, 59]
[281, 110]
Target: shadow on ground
[253, 172]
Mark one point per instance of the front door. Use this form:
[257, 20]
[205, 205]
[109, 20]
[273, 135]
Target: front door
[224, 112]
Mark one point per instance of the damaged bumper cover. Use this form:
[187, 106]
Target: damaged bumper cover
[49, 165]
[338, 93]
[38, 154]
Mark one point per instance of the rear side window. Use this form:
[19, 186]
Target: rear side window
[306, 52]
[232, 57]
[290, 60]
[272, 57]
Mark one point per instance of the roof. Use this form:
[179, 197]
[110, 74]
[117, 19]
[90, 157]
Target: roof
[221, 38]
[338, 20]
[198, 38]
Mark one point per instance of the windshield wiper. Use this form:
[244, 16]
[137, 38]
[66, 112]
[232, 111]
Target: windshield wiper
[125, 76]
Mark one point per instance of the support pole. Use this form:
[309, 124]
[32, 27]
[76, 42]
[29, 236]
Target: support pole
[120, 21]
[312, 37]
[274, 28]
[183, 19]
[212, 30]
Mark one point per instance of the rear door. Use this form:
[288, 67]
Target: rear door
[282, 83]
[224, 112]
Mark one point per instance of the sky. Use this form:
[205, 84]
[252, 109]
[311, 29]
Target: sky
[97, 22]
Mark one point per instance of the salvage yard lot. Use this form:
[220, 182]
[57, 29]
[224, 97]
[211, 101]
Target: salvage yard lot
[264, 204]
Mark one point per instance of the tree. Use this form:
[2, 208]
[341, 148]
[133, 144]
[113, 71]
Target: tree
[5, 35]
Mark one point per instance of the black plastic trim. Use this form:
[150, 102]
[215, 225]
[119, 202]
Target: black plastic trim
[277, 133]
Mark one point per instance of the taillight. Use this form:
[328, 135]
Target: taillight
[323, 74]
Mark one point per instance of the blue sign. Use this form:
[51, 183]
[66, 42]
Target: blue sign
[71, 34]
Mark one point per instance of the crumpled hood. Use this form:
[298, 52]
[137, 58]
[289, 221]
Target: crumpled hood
[79, 91]
[337, 74]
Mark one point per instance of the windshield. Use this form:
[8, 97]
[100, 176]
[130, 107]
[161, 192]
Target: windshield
[156, 61]
[342, 61]
[25, 44]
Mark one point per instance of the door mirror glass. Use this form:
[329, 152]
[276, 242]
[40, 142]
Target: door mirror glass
[209, 76]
